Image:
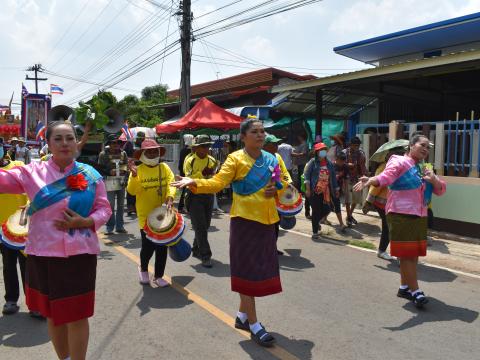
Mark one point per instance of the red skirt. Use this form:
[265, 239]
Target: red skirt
[253, 258]
[61, 289]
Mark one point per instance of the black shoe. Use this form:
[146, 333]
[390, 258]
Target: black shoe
[108, 232]
[36, 315]
[207, 263]
[280, 252]
[404, 293]
[419, 299]
[308, 216]
[10, 308]
[263, 338]
[242, 326]
[354, 222]
[121, 231]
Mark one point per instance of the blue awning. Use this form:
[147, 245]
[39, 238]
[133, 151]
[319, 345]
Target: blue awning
[427, 38]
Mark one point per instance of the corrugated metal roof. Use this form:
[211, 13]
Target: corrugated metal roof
[470, 58]
[457, 31]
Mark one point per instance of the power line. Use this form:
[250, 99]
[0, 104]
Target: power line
[168, 34]
[220, 8]
[83, 34]
[69, 27]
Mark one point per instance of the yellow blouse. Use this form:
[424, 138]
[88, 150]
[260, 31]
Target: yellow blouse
[9, 203]
[145, 187]
[285, 174]
[256, 206]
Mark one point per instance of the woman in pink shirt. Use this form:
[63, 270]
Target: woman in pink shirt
[410, 189]
[68, 203]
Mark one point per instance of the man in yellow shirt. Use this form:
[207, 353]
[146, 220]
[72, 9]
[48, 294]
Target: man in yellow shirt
[200, 165]
[9, 203]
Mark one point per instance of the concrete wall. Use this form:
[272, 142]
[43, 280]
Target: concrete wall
[461, 202]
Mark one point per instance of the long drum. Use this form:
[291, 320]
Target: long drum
[114, 183]
[15, 230]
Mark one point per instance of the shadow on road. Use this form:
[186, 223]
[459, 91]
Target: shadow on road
[218, 269]
[294, 262]
[435, 311]
[161, 298]
[105, 255]
[440, 246]
[425, 273]
[301, 349]
[20, 330]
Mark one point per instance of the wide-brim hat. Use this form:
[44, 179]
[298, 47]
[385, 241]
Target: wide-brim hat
[21, 139]
[149, 144]
[202, 140]
[338, 138]
[14, 139]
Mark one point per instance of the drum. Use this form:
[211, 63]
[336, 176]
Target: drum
[164, 227]
[181, 251]
[289, 202]
[114, 183]
[15, 230]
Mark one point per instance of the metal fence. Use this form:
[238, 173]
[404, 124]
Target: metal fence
[456, 150]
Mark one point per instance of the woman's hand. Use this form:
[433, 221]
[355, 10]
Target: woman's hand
[361, 184]
[430, 176]
[72, 220]
[270, 190]
[182, 182]
[169, 203]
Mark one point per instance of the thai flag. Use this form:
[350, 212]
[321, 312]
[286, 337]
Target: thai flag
[40, 131]
[24, 91]
[127, 132]
[55, 89]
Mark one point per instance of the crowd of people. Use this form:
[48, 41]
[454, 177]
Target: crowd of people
[69, 201]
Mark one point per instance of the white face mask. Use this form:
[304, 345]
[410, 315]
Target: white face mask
[149, 162]
[322, 154]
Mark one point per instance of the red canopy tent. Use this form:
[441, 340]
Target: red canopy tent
[204, 114]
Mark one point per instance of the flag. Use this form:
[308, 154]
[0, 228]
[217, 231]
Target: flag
[127, 132]
[40, 131]
[55, 89]
[24, 91]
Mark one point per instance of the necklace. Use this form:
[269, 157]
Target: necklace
[255, 163]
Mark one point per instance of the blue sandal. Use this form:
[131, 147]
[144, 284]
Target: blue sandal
[242, 325]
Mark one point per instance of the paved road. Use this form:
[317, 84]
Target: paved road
[338, 303]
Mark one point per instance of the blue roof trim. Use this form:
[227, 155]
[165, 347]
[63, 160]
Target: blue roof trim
[414, 30]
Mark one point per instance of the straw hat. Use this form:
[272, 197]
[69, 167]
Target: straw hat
[149, 144]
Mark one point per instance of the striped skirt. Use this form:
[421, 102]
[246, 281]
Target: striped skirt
[408, 235]
[62, 289]
[253, 258]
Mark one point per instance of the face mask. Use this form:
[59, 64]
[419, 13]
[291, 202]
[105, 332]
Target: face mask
[322, 153]
[2, 153]
[149, 162]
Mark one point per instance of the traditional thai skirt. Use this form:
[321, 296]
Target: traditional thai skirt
[62, 289]
[408, 235]
[253, 258]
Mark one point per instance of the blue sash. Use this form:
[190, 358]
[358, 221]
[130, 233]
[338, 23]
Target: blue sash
[258, 177]
[80, 201]
[412, 179]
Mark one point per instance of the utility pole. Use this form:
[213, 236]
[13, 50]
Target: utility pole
[186, 41]
[37, 68]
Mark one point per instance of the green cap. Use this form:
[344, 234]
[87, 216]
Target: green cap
[271, 139]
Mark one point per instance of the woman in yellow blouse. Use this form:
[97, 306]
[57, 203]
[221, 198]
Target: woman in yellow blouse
[150, 183]
[255, 176]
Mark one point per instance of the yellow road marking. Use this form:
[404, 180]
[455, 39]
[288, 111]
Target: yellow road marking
[276, 350]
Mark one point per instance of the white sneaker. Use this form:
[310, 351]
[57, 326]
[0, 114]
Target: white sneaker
[143, 277]
[385, 256]
[161, 282]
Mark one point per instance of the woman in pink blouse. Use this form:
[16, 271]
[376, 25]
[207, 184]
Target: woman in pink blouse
[411, 185]
[68, 203]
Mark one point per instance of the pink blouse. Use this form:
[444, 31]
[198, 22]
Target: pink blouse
[408, 202]
[43, 238]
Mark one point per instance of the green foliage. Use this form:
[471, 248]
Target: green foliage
[139, 111]
[97, 105]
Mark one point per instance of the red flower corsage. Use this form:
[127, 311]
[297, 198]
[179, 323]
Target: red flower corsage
[77, 182]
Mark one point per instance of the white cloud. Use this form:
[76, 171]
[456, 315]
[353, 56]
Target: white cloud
[259, 47]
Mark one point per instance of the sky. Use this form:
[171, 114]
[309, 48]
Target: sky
[96, 40]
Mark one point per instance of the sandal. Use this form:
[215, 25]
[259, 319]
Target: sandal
[242, 325]
[10, 308]
[263, 338]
